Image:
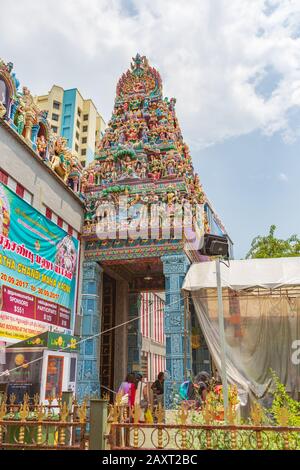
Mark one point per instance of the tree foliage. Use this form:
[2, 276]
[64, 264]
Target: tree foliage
[271, 247]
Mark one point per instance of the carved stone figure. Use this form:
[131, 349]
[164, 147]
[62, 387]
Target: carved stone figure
[41, 145]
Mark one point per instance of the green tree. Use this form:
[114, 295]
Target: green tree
[271, 247]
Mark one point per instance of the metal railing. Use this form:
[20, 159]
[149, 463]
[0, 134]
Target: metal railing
[30, 425]
[180, 432]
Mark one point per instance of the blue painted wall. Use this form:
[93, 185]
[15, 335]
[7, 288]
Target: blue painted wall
[68, 115]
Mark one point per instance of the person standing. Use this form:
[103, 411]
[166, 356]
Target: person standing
[201, 384]
[128, 389]
[141, 396]
[158, 389]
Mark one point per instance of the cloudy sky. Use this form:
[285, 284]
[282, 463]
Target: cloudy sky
[234, 67]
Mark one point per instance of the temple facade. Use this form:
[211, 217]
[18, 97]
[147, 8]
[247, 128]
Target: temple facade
[145, 214]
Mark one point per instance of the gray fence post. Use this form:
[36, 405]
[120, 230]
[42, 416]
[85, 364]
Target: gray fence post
[98, 423]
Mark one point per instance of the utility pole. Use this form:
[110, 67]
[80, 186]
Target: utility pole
[222, 340]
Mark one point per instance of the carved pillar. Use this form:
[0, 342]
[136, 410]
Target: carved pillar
[34, 133]
[13, 110]
[75, 184]
[121, 333]
[175, 268]
[88, 383]
[134, 333]
[29, 119]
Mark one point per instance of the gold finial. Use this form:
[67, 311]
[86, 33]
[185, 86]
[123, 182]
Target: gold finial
[12, 398]
[36, 399]
[3, 398]
[257, 414]
[115, 413]
[207, 414]
[64, 413]
[26, 398]
[3, 410]
[41, 413]
[283, 417]
[105, 396]
[231, 415]
[24, 411]
[82, 412]
[183, 414]
[119, 398]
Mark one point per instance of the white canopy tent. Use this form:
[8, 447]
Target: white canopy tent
[261, 302]
[244, 274]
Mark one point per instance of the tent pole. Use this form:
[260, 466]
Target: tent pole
[222, 340]
[185, 337]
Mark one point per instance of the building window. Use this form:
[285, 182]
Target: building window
[77, 135]
[85, 117]
[84, 140]
[20, 190]
[76, 147]
[79, 112]
[48, 213]
[78, 124]
[55, 117]
[83, 152]
[55, 129]
[3, 177]
[85, 128]
[56, 105]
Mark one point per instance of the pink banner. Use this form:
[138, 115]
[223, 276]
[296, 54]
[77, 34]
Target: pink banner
[17, 302]
[64, 317]
[30, 306]
[46, 311]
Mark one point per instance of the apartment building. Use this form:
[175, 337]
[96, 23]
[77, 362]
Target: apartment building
[74, 118]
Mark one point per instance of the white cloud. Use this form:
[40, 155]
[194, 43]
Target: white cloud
[207, 51]
[283, 177]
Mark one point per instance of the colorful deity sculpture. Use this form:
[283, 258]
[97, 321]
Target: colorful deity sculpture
[2, 109]
[42, 146]
[20, 120]
[20, 111]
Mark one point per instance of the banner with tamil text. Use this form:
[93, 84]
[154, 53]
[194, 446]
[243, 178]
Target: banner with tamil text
[38, 265]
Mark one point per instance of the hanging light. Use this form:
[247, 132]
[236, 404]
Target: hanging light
[148, 277]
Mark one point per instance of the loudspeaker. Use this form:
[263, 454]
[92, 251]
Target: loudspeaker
[215, 245]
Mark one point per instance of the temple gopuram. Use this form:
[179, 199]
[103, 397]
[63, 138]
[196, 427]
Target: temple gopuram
[141, 177]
